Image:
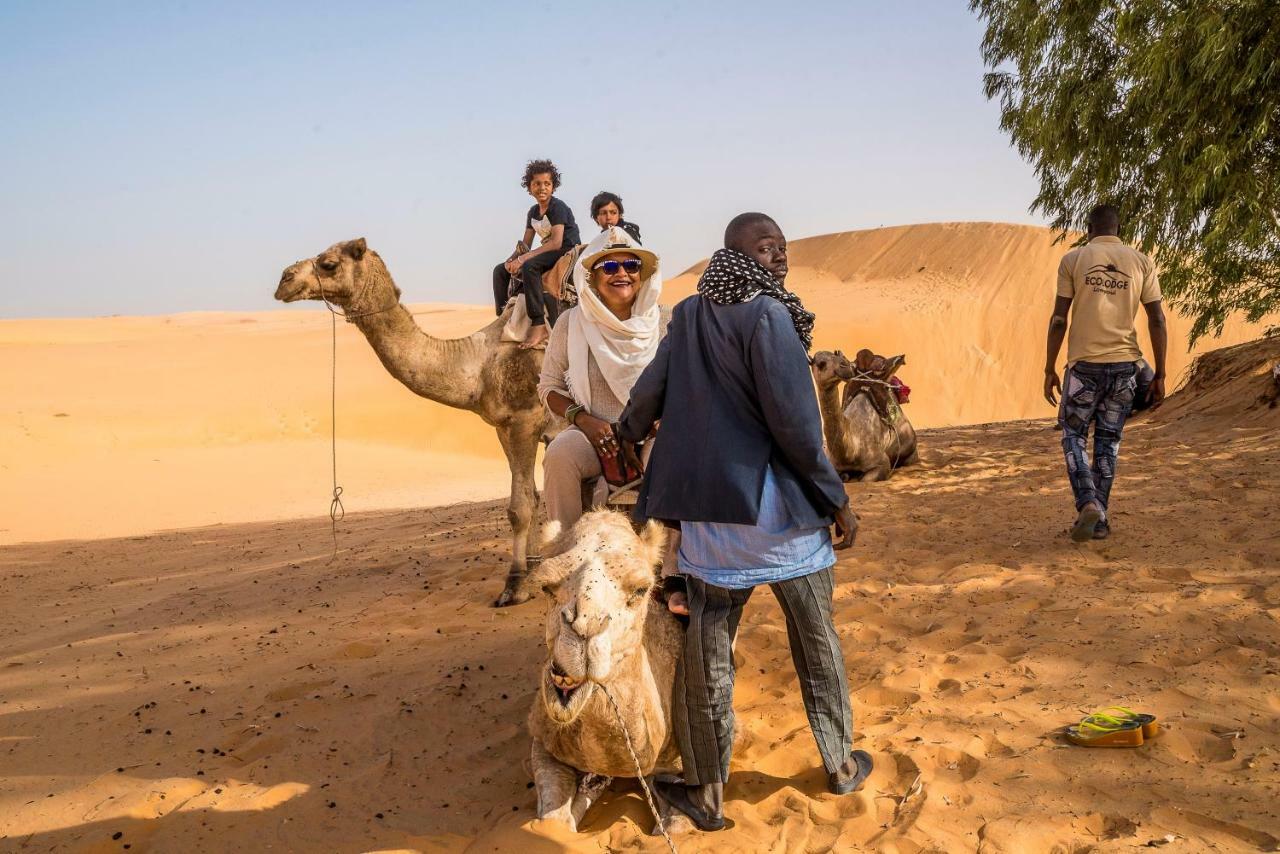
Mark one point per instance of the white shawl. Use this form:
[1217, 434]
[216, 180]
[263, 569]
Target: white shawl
[622, 348]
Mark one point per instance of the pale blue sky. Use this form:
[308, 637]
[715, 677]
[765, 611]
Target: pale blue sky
[177, 156]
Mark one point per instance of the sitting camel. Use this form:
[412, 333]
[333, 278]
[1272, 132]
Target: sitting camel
[867, 433]
[605, 634]
[497, 381]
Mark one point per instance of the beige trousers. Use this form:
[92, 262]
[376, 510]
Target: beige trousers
[569, 461]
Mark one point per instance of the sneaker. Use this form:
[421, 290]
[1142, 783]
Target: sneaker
[1102, 530]
[852, 774]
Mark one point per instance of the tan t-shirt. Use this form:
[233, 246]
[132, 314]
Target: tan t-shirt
[1107, 281]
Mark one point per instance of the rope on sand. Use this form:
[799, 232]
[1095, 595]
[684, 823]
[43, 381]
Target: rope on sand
[336, 511]
[653, 808]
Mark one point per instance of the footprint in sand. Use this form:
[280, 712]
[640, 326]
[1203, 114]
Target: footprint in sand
[884, 697]
[1259, 840]
[359, 649]
[260, 748]
[950, 765]
[948, 688]
[901, 797]
[1199, 743]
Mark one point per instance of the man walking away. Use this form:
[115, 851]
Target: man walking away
[1102, 284]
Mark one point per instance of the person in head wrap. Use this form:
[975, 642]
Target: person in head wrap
[596, 352]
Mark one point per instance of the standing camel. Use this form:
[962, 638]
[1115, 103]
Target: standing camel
[479, 373]
[867, 433]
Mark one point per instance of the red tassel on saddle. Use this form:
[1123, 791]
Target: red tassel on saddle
[900, 390]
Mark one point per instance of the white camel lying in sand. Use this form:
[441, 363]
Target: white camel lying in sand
[481, 373]
[605, 633]
[868, 435]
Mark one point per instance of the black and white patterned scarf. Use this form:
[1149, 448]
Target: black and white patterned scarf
[732, 277]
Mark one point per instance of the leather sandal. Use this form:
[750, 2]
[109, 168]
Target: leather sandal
[852, 774]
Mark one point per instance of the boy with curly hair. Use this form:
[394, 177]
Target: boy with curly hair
[552, 220]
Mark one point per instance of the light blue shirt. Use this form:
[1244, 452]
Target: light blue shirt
[741, 556]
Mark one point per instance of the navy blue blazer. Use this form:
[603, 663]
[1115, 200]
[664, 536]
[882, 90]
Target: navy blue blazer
[732, 388]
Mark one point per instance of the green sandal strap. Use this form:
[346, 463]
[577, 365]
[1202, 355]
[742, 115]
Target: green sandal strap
[1103, 723]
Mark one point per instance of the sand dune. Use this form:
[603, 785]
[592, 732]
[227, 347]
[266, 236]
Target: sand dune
[114, 426]
[967, 302]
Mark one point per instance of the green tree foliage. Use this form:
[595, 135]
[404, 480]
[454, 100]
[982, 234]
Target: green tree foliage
[1169, 109]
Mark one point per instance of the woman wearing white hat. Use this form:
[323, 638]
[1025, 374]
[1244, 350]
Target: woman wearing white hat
[596, 353]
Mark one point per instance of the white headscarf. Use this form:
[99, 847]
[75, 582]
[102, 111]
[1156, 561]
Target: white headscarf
[622, 348]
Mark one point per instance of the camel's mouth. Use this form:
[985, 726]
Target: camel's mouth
[564, 694]
[287, 293]
[564, 685]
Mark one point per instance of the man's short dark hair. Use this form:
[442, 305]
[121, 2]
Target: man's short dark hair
[603, 198]
[1104, 219]
[737, 228]
[540, 167]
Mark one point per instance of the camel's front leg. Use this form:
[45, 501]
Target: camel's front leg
[557, 786]
[521, 447]
[590, 788]
[879, 471]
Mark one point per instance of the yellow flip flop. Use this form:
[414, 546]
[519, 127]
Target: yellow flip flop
[1150, 726]
[1097, 731]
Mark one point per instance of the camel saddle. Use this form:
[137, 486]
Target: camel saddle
[558, 281]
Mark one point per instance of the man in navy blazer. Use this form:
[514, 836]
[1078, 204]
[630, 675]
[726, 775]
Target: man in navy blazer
[739, 464]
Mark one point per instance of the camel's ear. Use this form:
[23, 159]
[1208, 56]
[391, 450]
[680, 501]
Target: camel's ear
[356, 248]
[653, 539]
[550, 573]
[555, 539]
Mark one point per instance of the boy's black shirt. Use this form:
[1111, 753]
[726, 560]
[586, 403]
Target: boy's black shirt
[558, 213]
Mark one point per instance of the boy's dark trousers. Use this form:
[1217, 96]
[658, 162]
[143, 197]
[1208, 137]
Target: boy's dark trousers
[541, 308]
[703, 707]
[1102, 395]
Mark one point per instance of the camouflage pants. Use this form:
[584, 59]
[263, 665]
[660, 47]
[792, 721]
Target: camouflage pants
[1100, 395]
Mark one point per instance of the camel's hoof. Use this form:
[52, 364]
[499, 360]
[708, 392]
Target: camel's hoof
[511, 597]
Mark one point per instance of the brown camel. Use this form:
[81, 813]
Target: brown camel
[867, 433]
[497, 381]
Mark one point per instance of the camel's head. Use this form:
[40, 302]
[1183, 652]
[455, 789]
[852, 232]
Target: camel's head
[871, 376]
[599, 574]
[347, 274]
[830, 367]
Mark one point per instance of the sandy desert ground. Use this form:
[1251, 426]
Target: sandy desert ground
[227, 686]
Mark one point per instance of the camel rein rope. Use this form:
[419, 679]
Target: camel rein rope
[336, 511]
[648, 795]
[864, 377]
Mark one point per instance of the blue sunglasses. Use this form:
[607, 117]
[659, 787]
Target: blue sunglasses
[631, 265]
